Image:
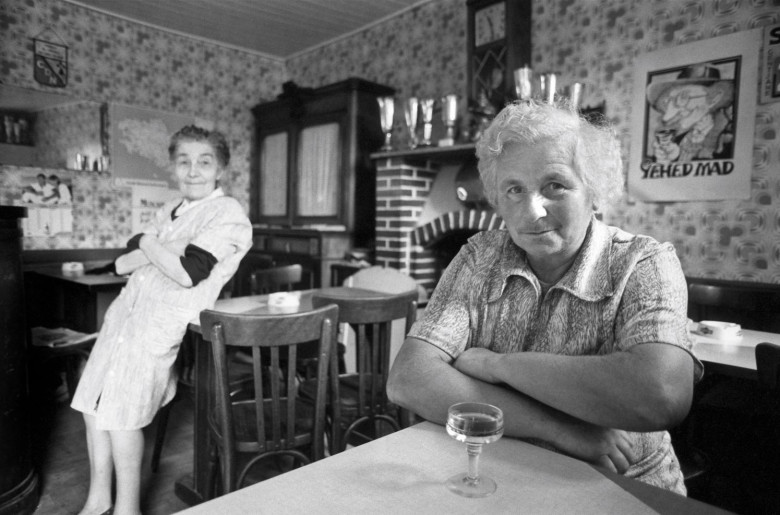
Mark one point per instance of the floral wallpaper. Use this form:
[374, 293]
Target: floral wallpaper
[112, 60]
[421, 52]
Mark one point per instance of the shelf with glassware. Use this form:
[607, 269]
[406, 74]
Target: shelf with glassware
[460, 134]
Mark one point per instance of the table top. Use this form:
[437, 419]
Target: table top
[405, 473]
[258, 304]
[734, 357]
[91, 281]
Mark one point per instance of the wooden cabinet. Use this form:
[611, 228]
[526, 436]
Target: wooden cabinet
[499, 42]
[312, 169]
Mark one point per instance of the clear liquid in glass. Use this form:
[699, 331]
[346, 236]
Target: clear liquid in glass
[475, 424]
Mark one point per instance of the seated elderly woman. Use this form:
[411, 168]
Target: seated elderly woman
[575, 329]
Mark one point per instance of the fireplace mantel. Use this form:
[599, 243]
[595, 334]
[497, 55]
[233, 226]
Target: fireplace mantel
[441, 155]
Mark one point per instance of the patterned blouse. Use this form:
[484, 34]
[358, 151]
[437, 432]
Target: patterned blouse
[130, 373]
[622, 290]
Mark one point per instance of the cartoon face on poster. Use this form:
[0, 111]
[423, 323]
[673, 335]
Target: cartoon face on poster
[694, 120]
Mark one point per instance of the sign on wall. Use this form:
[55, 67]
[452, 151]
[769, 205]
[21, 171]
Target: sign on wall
[693, 120]
[50, 60]
[770, 65]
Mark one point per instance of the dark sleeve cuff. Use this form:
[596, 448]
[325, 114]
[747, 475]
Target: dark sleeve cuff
[197, 263]
[134, 242]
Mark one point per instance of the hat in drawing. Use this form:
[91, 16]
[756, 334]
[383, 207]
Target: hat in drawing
[700, 74]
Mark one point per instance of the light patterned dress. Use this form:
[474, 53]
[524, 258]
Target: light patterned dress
[622, 290]
[130, 373]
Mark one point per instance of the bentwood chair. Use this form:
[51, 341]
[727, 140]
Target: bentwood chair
[270, 423]
[276, 279]
[240, 284]
[361, 408]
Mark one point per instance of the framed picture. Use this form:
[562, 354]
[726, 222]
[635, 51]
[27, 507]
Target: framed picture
[138, 142]
[499, 41]
[693, 120]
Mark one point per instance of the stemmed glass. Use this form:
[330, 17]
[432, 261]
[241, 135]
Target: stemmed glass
[410, 113]
[476, 424]
[386, 112]
[426, 106]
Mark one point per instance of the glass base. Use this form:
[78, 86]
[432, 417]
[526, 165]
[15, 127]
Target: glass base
[480, 487]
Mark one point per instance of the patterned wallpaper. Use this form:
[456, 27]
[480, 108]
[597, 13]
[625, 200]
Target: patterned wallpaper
[422, 52]
[114, 60]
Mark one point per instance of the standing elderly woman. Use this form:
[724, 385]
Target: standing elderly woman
[576, 329]
[178, 266]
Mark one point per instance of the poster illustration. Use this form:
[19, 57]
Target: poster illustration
[693, 120]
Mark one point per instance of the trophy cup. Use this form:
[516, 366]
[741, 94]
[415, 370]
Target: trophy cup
[547, 87]
[410, 113]
[575, 92]
[523, 85]
[386, 112]
[426, 105]
[449, 115]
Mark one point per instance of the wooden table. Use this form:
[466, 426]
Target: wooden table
[78, 303]
[191, 488]
[735, 358]
[405, 473]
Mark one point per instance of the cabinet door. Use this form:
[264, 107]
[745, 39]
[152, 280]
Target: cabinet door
[273, 176]
[319, 181]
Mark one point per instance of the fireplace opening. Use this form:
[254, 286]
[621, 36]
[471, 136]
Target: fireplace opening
[447, 246]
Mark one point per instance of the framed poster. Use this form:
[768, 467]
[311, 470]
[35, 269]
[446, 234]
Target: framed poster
[693, 120]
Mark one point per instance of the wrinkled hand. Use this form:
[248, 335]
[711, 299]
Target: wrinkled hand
[478, 363]
[602, 446]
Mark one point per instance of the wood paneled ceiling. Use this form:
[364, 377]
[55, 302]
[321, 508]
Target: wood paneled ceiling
[275, 28]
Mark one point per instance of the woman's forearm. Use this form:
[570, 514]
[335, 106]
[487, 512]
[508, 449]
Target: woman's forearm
[166, 261]
[646, 388]
[130, 262]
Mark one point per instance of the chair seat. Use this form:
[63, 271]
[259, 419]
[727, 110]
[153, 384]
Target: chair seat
[348, 395]
[245, 428]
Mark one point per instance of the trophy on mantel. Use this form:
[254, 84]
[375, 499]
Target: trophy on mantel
[386, 112]
[524, 83]
[426, 105]
[449, 115]
[575, 92]
[410, 114]
[547, 85]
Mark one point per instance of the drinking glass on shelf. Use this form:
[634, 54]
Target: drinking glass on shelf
[410, 113]
[426, 106]
[523, 83]
[547, 86]
[386, 112]
[476, 424]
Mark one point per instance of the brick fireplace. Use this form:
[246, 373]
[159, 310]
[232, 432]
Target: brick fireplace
[405, 240]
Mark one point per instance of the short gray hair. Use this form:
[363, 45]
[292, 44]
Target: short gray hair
[594, 149]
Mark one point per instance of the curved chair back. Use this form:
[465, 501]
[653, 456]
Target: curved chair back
[240, 284]
[768, 364]
[275, 279]
[363, 394]
[752, 305]
[276, 421]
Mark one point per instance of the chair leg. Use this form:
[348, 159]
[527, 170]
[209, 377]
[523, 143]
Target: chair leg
[159, 437]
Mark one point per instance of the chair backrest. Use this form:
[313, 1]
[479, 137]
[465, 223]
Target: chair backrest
[241, 283]
[768, 364]
[278, 337]
[371, 319]
[752, 305]
[275, 279]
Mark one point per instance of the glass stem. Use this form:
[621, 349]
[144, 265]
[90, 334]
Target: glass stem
[473, 449]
